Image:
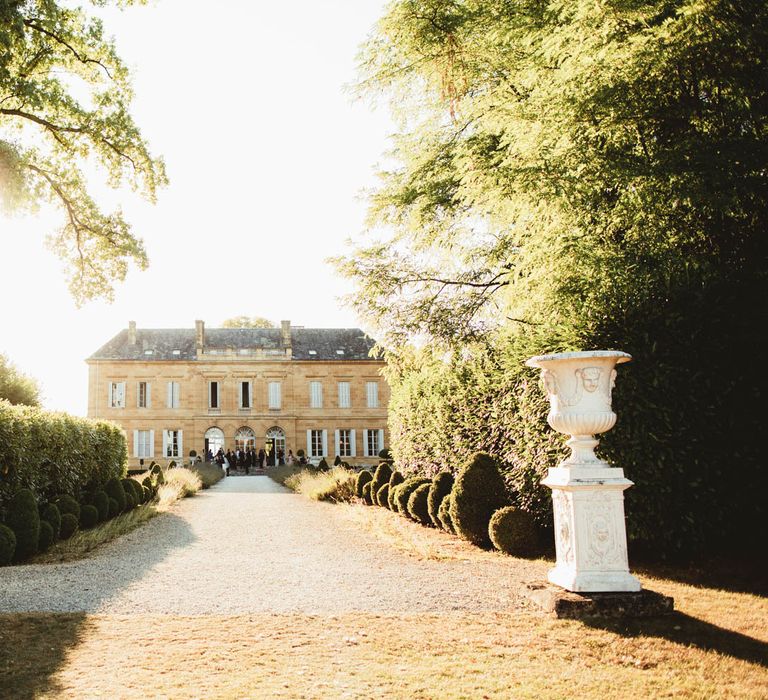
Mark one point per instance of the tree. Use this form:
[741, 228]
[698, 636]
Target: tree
[247, 322]
[15, 387]
[557, 160]
[64, 103]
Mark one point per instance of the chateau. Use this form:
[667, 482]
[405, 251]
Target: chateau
[286, 388]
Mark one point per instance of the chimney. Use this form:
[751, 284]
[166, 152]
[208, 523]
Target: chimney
[285, 327]
[199, 335]
[132, 332]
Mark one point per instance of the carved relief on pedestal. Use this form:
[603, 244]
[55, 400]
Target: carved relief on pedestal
[563, 535]
[605, 535]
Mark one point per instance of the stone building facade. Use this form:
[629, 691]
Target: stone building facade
[286, 388]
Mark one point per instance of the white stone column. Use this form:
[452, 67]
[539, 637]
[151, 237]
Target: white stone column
[587, 492]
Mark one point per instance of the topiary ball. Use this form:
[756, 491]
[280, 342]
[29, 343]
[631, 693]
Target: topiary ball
[114, 508]
[382, 496]
[478, 493]
[394, 480]
[68, 526]
[100, 501]
[52, 515]
[24, 520]
[89, 517]
[404, 492]
[444, 515]
[135, 489]
[7, 545]
[367, 493]
[362, 479]
[130, 502]
[417, 504]
[159, 478]
[46, 537]
[67, 504]
[147, 494]
[381, 477]
[440, 488]
[147, 484]
[114, 489]
[513, 531]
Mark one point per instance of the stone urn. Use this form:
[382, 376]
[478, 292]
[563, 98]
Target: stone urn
[587, 492]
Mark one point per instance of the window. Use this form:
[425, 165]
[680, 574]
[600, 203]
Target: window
[275, 394]
[143, 443]
[315, 394]
[317, 443]
[373, 442]
[116, 395]
[213, 395]
[172, 443]
[345, 443]
[143, 397]
[174, 395]
[245, 394]
[344, 395]
[372, 394]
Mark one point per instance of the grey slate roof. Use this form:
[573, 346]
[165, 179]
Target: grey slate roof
[179, 343]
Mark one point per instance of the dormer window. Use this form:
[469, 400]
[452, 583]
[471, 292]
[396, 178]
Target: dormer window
[313, 352]
[149, 352]
[177, 352]
[339, 352]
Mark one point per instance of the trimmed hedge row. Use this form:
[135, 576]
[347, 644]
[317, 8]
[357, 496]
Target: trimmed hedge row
[54, 453]
[476, 506]
[30, 528]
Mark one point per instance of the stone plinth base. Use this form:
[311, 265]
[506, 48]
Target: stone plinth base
[575, 606]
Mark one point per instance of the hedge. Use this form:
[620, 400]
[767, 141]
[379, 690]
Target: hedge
[53, 453]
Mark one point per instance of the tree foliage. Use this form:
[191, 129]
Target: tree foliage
[576, 175]
[247, 322]
[15, 387]
[64, 102]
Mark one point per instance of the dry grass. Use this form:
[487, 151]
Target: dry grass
[85, 541]
[336, 485]
[283, 472]
[518, 654]
[179, 483]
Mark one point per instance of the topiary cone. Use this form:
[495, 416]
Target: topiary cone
[479, 491]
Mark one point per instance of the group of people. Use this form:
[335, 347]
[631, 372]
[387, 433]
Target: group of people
[247, 458]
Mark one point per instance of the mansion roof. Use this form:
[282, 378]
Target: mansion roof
[337, 344]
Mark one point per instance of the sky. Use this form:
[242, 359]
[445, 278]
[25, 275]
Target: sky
[268, 157]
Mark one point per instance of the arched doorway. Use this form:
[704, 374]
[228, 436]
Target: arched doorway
[275, 445]
[214, 440]
[245, 438]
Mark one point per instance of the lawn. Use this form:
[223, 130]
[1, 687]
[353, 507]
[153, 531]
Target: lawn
[715, 645]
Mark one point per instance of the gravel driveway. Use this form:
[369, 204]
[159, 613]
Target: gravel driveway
[250, 545]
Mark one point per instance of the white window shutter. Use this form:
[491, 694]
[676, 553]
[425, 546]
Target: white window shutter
[149, 395]
[151, 443]
[365, 444]
[325, 443]
[381, 440]
[181, 445]
[165, 443]
[121, 394]
[177, 394]
[169, 400]
[353, 443]
[336, 440]
[138, 394]
[135, 443]
[210, 384]
[309, 444]
[240, 394]
[250, 394]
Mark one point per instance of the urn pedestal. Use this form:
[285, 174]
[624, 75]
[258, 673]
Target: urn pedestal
[587, 492]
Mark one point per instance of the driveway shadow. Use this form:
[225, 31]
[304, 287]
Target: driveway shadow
[46, 607]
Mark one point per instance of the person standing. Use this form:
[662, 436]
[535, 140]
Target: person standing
[262, 458]
[289, 458]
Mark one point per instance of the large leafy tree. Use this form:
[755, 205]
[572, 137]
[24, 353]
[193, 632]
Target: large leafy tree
[558, 161]
[64, 102]
[15, 387]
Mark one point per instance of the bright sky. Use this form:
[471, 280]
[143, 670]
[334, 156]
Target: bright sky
[267, 156]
